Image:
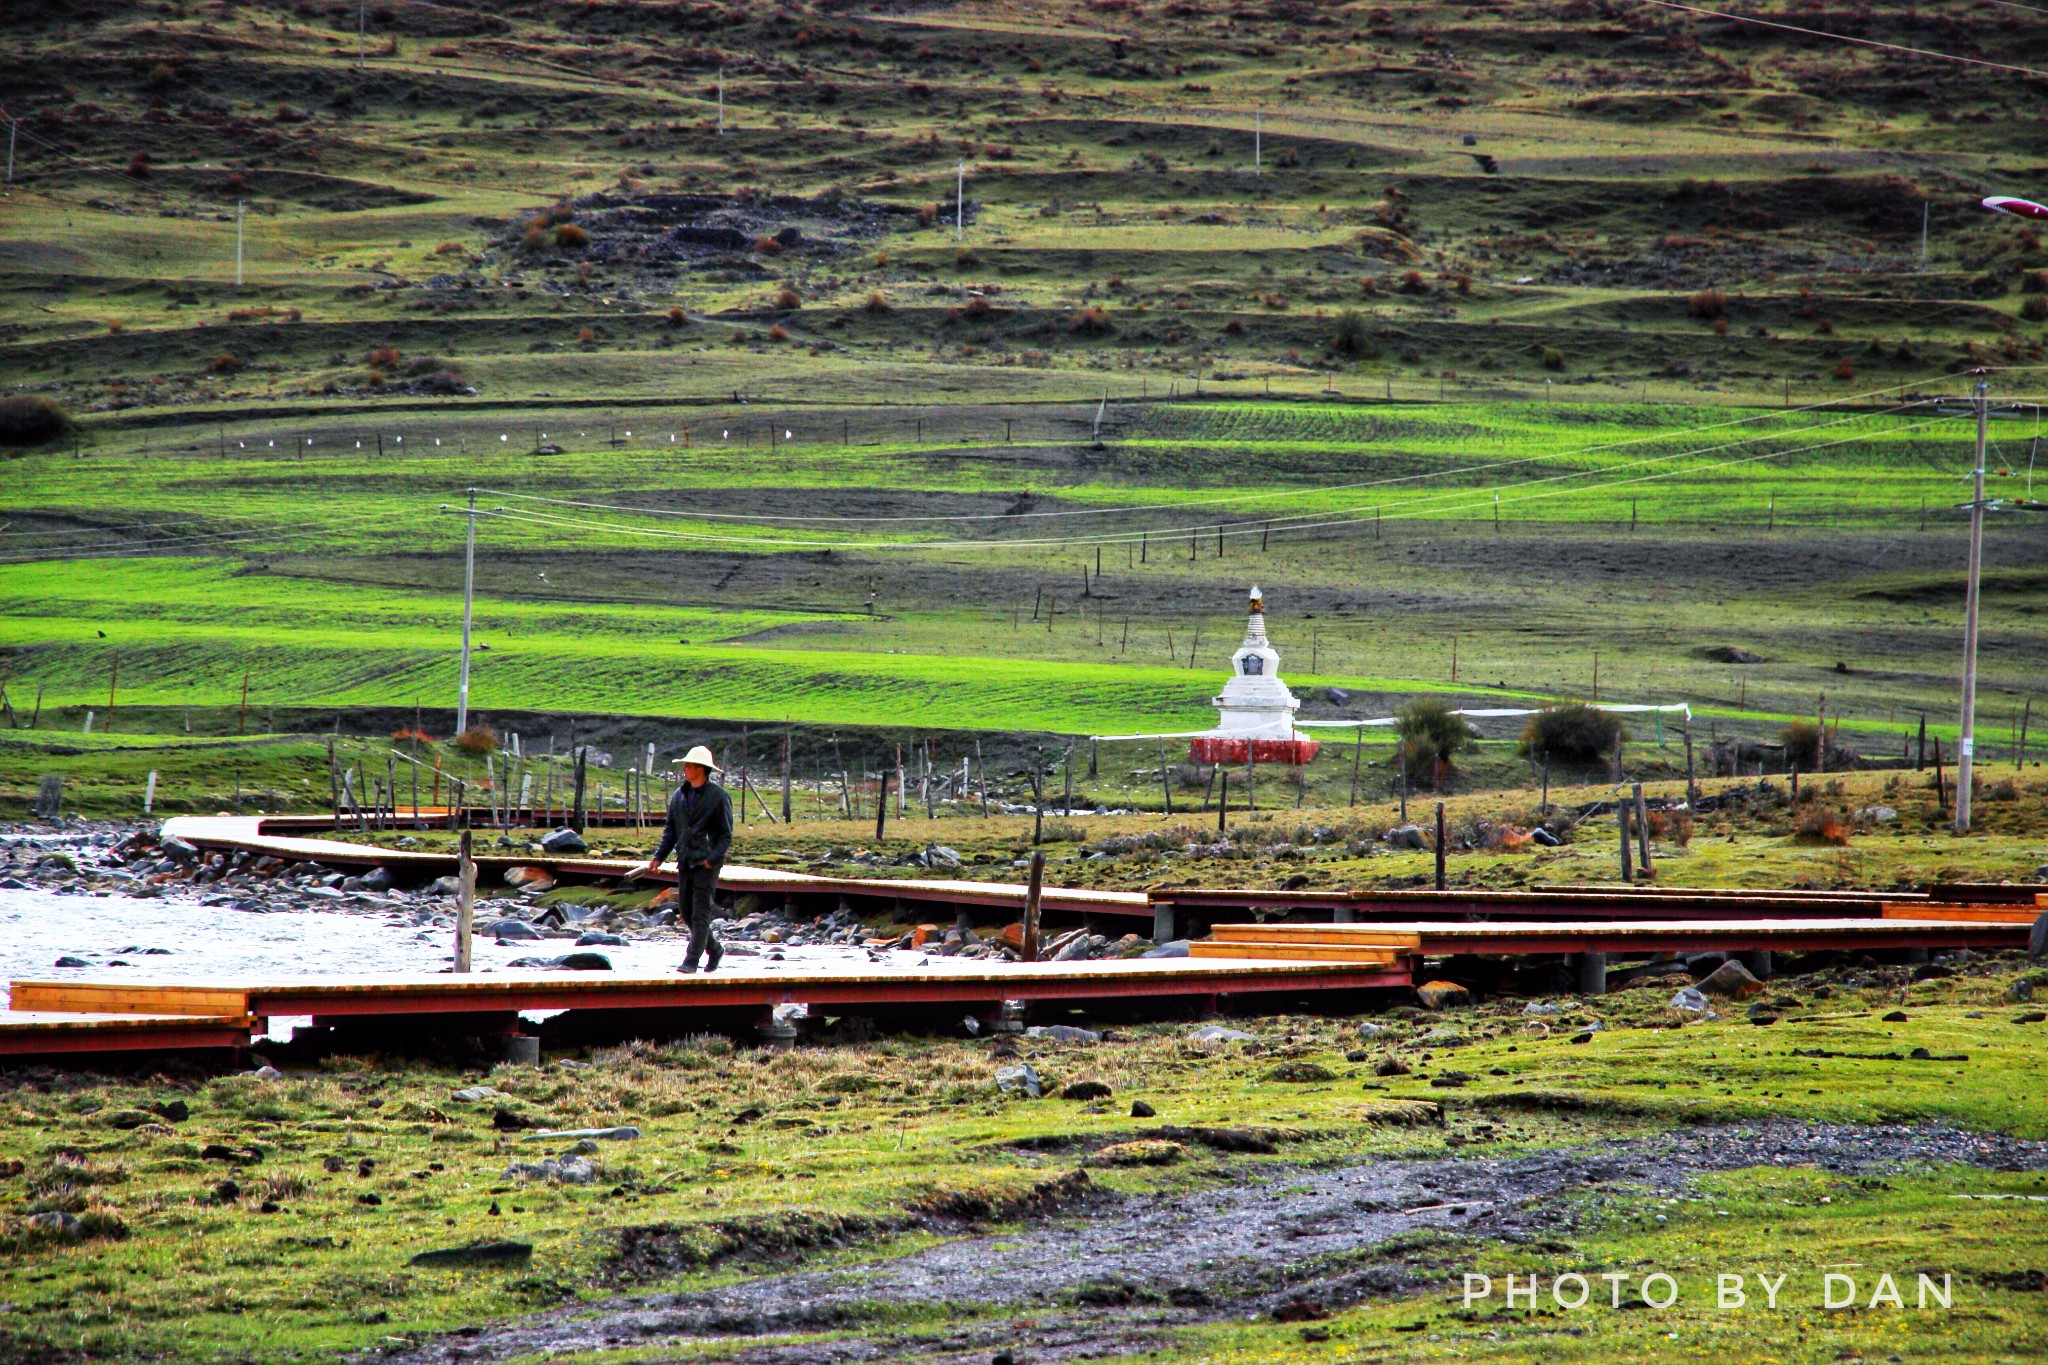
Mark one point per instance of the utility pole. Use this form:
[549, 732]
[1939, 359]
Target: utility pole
[960, 203]
[468, 608]
[1967, 743]
[240, 205]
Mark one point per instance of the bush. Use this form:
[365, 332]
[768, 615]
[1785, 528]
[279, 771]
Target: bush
[1802, 744]
[878, 302]
[588, 336]
[409, 734]
[381, 357]
[1433, 735]
[777, 334]
[765, 245]
[1413, 283]
[1845, 368]
[1352, 338]
[115, 326]
[477, 741]
[1234, 327]
[32, 420]
[570, 237]
[225, 363]
[2034, 282]
[1091, 322]
[1709, 304]
[1553, 359]
[788, 300]
[2034, 308]
[677, 317]
[1572, 733]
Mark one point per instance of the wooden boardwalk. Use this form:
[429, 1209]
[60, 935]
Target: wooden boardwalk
[1337, 942]
[799, 892]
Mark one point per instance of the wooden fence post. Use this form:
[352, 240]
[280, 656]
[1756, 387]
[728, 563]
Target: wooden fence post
[1628, 873]
[1648, 869]
[1034, 887]
[1442, 847]
[465, 901]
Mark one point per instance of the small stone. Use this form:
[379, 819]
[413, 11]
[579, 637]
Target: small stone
[1216, 1033]
[57, 1223]
[266, 1073]
[69, 961]
[510, 929]
[598, 939]
[1143, 1152]
[584, 962]
[1062, 1033]
[564, 841]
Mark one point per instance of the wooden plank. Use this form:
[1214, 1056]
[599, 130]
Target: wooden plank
[1989, 912]
[1515, 937]
[1315, 933]
[1726, 893]
[2011, 893]
[123, 997]
[36, 1034]
[1362, 954]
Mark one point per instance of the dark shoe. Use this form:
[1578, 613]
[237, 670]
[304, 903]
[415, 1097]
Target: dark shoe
[712, 964]
[687, 967]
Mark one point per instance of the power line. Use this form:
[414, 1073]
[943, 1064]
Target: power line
[1846, 38]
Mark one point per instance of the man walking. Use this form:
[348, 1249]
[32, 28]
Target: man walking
[699, 830]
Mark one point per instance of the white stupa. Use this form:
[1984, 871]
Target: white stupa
[1255, 713]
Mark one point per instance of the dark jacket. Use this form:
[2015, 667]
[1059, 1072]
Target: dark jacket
[699, 825]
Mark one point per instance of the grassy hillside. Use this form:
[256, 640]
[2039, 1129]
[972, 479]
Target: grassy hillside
[1489, 338]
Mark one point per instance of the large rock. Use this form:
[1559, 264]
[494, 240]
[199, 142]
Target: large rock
[376, 879]
[1442, 995]
[564, 841]
[1020, 1079]
[2037, 941]
[178, 851]
[510, 929]
[1732, 979]
[1407, 836]
[584, 962]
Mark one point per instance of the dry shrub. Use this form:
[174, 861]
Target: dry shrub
[1845, 368]
[1708, 304]
[1413, 283]
[449, 249]
[1819, 824]
[788, 300]
[1720, 327]
[588, 336]
[570, 237]
[767, 246]
[2034, 282]
[1091, 322]
[381, 357]
[927, 215]
[1824, 327]
[1234, 327]
[560, 213]
[878, 302]
[881, 259]
[963, 258]
[777, 334]
[2034, 308]
[1802, 744]
[583, 271]
[225, 363]
[410, 734]
[677, 317]
[477, 741]
[536, 235]
[1674, 825]
[115, 326]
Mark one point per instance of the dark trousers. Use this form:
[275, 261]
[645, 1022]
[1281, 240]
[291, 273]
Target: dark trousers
[694, 886]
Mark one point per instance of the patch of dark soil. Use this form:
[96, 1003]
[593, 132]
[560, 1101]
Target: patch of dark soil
[1302, 1241]
[657, 1251]
[1251, 1141]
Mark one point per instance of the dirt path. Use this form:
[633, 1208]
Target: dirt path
[1111, 1277]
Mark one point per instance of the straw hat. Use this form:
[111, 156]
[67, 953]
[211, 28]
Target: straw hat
[700, 756]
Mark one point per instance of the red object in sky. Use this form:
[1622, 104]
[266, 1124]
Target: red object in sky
[2018, 208]
[1224, 749]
